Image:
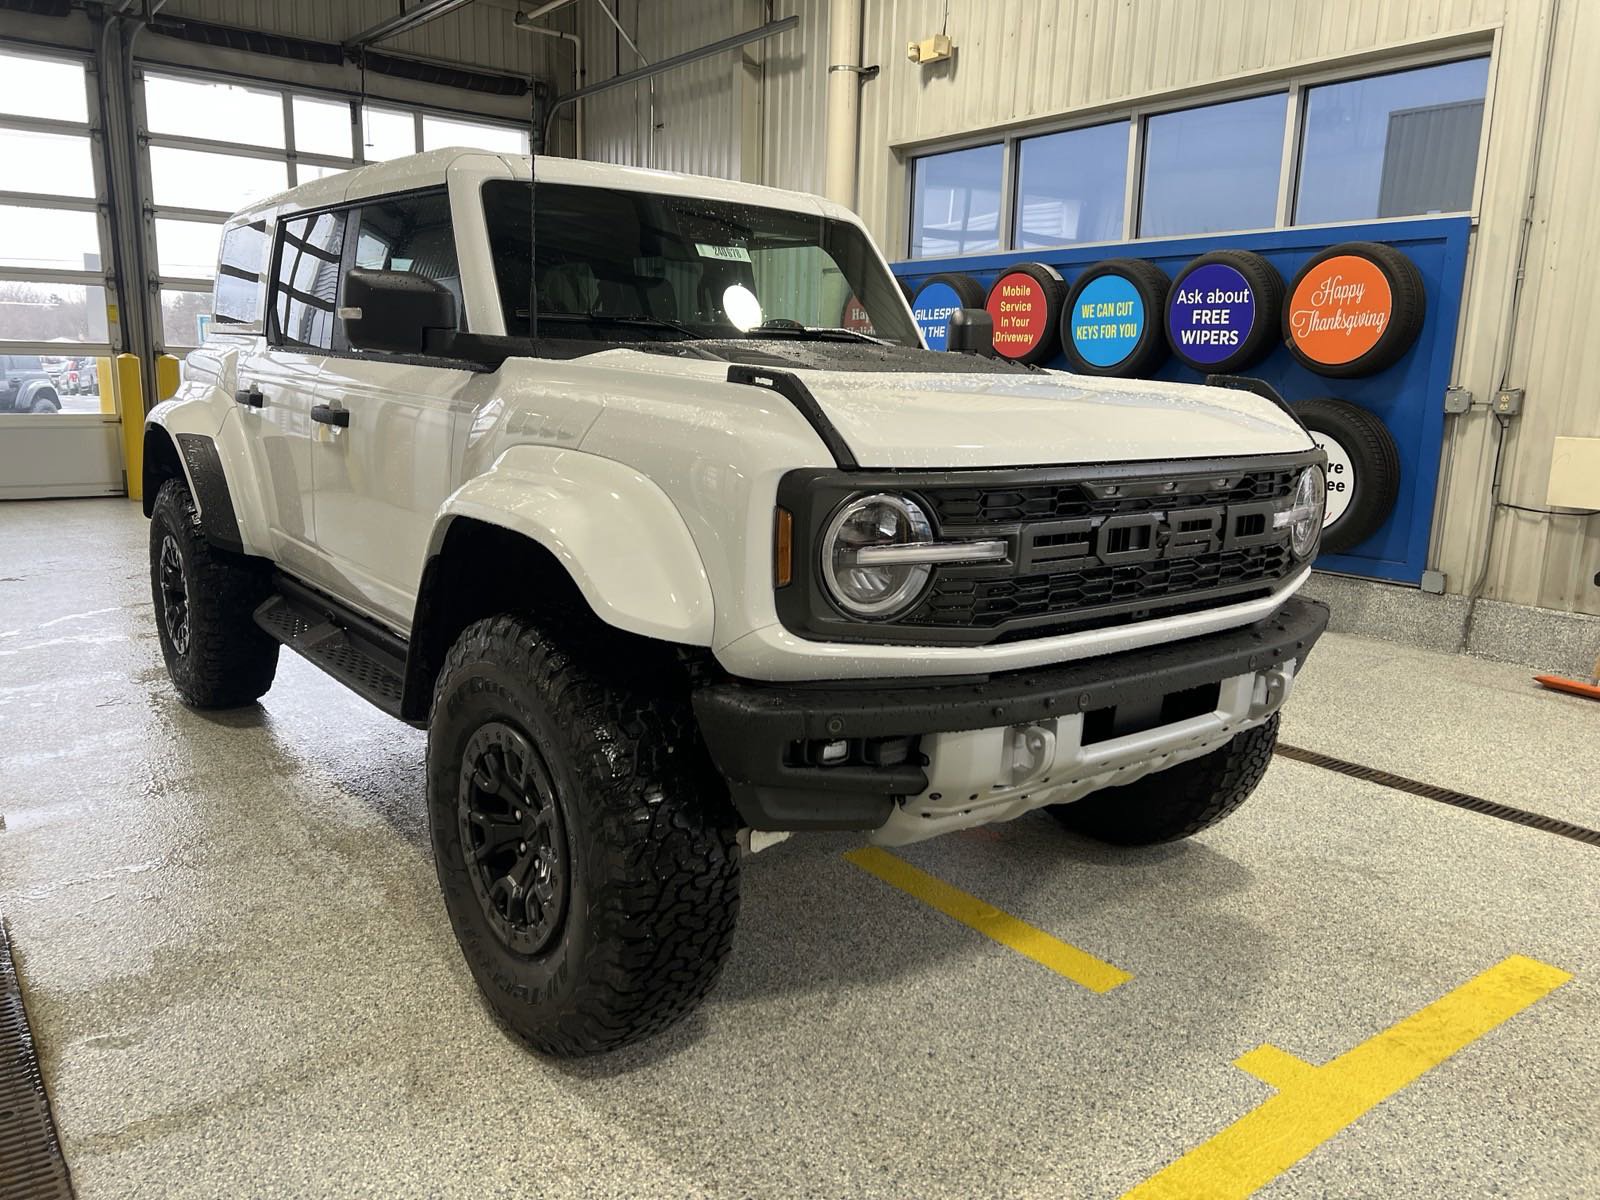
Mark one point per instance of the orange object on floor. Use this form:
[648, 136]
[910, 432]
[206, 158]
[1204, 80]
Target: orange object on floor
[1576, 687]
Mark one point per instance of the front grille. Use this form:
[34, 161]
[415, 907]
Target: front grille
[1055, 501]
[987, 603]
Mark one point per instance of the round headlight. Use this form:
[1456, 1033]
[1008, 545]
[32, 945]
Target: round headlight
[867, 589]
[1310, 504]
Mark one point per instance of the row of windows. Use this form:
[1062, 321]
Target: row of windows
[1399, 144]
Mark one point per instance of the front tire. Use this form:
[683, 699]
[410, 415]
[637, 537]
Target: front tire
[583, 841]
[1179, 802]
[205, 600]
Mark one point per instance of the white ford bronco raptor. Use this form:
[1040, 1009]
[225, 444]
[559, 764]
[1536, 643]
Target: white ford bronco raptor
[589, 478]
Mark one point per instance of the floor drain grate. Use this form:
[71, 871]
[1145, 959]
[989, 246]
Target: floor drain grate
[1429, 791]
[31, 1166]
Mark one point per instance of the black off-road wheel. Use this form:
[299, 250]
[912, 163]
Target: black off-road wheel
[1179, 802]
[205, 599]
[584, 842]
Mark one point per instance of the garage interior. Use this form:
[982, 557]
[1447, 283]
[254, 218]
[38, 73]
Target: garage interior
[225, 929]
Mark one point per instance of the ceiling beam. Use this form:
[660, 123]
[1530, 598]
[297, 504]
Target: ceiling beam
[421, 14]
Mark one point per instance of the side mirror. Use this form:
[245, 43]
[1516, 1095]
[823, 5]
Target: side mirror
[971, 332]
[396, 311]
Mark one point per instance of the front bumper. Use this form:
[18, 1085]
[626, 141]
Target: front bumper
[758, 734]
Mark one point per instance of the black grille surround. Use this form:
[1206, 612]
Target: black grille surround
[1089, 547]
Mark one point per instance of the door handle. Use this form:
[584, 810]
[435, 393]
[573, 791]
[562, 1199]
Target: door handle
[326, 414]
[250, 396]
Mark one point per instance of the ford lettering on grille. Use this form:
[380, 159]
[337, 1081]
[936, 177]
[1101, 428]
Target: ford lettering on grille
[1144, 537]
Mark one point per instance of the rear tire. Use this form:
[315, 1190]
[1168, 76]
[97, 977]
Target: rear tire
[205, 600]
[583, 841]
[1176, 803]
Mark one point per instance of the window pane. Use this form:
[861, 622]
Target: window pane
[49, 239]
[202, 179]
[322, 126]
[187, 249]
[438, 132]
[413, 234]
[387, 134]
[1392, 145]
[223, 112]
[53, 163]
[1213, 168]
[184, 317]
[244, 259]
[955, 202]
[42, 87]
[52, 312]
[1071, 186]
[308, 279]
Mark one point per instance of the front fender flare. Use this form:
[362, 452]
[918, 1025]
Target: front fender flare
[615, 531]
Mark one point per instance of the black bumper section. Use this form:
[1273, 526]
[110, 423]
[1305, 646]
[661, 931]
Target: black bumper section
[751, 728]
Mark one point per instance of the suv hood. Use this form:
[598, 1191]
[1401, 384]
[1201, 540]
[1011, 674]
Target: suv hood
[937, 416]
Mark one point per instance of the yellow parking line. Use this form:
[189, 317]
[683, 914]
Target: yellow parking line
[1077, 965]
[1314, 1103]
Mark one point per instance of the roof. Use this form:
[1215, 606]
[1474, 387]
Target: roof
[438, 167]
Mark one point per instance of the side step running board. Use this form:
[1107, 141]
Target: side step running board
[365, 657]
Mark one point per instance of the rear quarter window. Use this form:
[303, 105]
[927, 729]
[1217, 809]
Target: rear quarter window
[237, 296]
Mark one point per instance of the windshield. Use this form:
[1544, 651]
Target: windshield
[618, 265]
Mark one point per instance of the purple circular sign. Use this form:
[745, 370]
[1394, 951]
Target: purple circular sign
[1211, 314]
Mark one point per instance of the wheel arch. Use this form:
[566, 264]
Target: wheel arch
[557, 529]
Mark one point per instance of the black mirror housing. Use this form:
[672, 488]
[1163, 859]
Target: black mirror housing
[395, 311]
[971, 332]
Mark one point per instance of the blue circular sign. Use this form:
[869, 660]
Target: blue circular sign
[932, 308]
[1107, 320]
[1212, 312]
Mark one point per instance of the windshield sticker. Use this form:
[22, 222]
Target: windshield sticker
[723, 253]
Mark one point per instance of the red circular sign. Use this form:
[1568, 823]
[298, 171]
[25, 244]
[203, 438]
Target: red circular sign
[855, 316]
[1020, 310]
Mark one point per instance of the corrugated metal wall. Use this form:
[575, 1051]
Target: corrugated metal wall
[1025, 61]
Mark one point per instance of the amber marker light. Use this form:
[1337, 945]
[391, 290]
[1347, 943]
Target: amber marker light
[782, 547]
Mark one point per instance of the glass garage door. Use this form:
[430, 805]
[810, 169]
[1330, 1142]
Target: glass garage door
[58, 412]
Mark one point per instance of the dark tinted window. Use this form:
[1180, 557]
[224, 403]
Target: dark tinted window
[411, 233]
[238, 288]
[308, 279]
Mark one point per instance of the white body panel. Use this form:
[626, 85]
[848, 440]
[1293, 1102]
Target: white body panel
[664, 516]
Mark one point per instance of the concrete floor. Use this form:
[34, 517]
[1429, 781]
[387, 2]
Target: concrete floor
[241, 978]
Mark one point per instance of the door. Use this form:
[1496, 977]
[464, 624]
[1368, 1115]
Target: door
[382, 475]
[277, 382]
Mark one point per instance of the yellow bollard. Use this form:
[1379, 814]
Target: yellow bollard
[108, 393]
[167, 379]
[130, 395]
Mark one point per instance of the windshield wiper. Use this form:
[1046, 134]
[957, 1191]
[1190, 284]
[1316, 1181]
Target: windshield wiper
[783, 327]
[624, 320]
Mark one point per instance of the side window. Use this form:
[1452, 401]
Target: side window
[307, 280]
[237, 299]
[411, 233]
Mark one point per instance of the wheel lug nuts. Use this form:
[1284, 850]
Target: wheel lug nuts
[517, 815]
[522, 847]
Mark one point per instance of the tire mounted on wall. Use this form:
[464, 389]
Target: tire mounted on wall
[1266, 288]
[1407, 305]
[1363, 458]
[1151, 284]
[968, 290]
[1054, 290]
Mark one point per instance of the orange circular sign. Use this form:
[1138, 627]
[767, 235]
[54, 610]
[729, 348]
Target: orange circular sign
[1340, 309]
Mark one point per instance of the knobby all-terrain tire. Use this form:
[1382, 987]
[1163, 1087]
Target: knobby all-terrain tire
[652, 860]
[1165, 806]
[218, 657]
